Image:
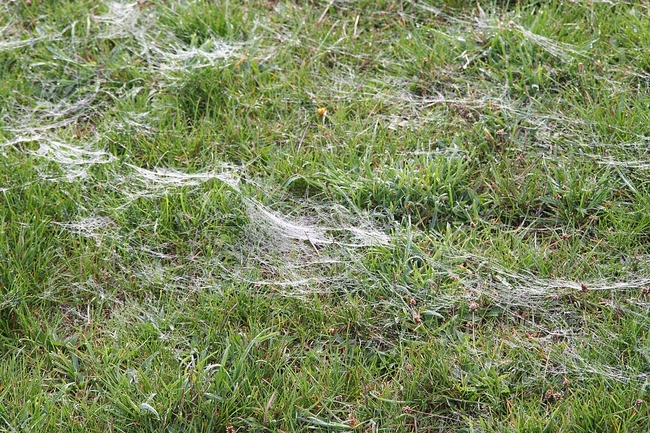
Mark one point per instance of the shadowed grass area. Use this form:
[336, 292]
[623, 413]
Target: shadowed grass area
[336, 216]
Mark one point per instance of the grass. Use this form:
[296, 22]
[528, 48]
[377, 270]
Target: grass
[336, 216]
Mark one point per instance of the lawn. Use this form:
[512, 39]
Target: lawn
[285, 216]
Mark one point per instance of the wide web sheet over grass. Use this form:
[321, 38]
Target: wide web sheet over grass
[281, 216]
